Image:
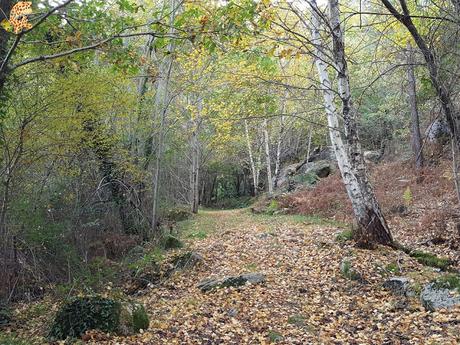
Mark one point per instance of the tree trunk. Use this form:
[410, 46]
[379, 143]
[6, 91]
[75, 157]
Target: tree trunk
[279, 144]
[255, 174]
[5, 8]
[162, 100]
[415, 122]
[267, 158]
[372, 227]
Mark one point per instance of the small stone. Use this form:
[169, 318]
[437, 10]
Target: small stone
[398, 286]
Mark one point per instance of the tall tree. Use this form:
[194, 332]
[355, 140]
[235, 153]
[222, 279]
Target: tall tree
[416, 137]
[372, 227]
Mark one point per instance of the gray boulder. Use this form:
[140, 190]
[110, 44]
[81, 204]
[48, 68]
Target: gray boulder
[399, 286]
[372, 156]
[321, 168]
[434, 296]
[322, 153]
[233, 281]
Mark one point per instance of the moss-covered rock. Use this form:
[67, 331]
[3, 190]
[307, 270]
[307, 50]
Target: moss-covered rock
[108, 315]
[172, 242]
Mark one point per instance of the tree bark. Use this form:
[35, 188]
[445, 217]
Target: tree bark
[415, 122]
[267, 158]
[372, 227]
[255, 173]
[279, 144]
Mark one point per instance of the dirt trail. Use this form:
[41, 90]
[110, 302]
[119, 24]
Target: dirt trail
[305, 299]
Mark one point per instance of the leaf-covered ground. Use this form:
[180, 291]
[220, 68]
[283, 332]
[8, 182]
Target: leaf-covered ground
[305, 299]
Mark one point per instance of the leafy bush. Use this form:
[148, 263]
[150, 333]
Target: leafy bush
[140, 319]
[85, 313]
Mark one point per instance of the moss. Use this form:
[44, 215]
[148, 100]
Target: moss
[172, 242]
[344, 236]
[448, 281]
[431, 260]
[140, 319]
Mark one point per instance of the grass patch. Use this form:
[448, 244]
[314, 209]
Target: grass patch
[449, 281]
[348, 271]
[393, 267]
[10, 339]
[431, 260]
[344, 236]
[297, 320]
[274, 336]
[200, 234]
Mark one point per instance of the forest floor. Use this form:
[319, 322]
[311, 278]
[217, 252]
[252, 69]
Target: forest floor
[304, 300]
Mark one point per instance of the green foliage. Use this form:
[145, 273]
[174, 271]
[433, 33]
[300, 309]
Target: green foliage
[140, 319]
[9, 339]
[85, 313]
[449, 281]
[432, 260]
[308, 179]
[407, 196]
[274, 336]
[393, 267]
[348, 271]
[344, 236]
[273, 206]
[5, 314]
[297, 320]
[200, 234]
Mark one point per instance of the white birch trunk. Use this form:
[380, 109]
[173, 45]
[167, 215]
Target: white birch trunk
[254, 172]
[372, 226]
[267, 158]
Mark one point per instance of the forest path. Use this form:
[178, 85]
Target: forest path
[305, 299]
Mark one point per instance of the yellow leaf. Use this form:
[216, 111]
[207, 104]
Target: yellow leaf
[6, 25]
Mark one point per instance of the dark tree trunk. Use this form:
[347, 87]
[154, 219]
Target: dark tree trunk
[433, 68]
[415, 122]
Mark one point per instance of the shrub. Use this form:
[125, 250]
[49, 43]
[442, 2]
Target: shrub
[107, 315]
[83, 314]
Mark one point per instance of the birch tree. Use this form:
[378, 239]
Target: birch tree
[372, 227]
